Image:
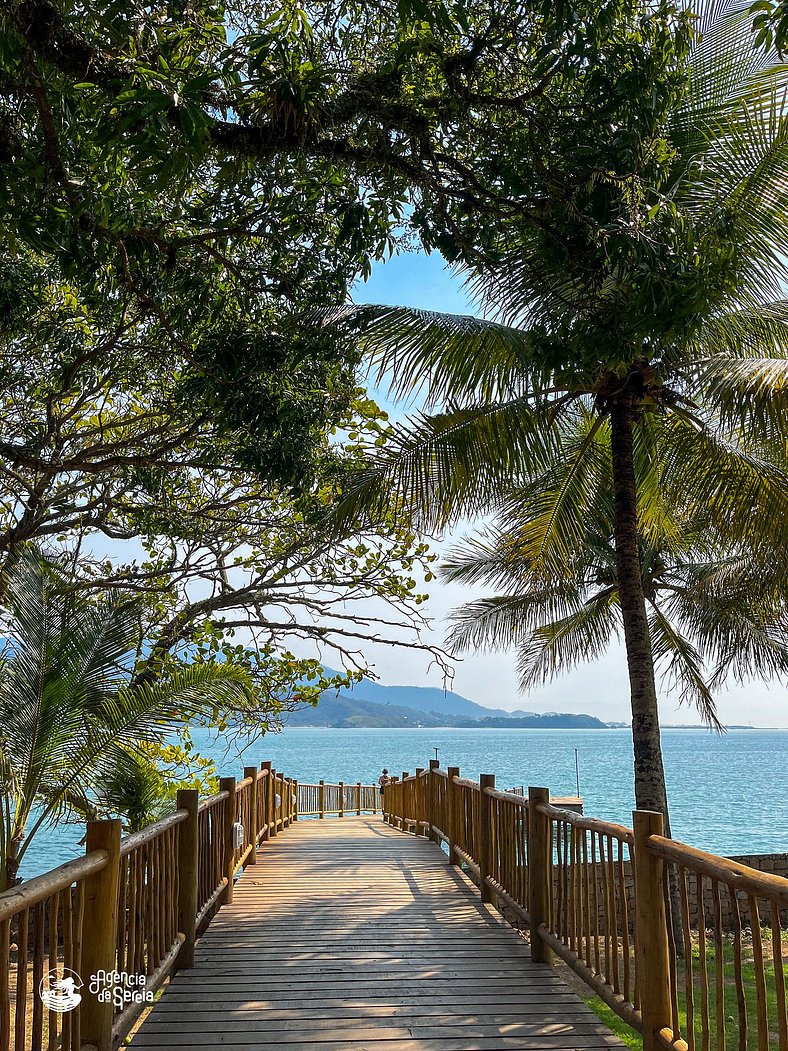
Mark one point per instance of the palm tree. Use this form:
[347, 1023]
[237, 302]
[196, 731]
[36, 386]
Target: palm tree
[715, 610]
[66, 707]
[133, 786]
[658, 298]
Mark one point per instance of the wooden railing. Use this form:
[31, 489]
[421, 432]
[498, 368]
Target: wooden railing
[136, 905]
[690, 949]
[317, 800]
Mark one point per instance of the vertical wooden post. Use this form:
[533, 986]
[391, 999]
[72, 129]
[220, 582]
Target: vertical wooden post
[420, 830]
[100, 930]
[540, 871]
[358, 799]
[188, 799]
[227, 784]
[341, 798]
[431, 816]
[251, 832]
[404, 805]
[295, 800]
[652, 952]
[451, 801]
[286, 802]
[392, 817]
[266, 798]
[321, 798]
[485, 834]
[272, 802]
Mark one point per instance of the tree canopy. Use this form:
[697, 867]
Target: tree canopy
[653, 290]
[112, 456]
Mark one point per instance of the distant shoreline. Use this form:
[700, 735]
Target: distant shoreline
[540, 729]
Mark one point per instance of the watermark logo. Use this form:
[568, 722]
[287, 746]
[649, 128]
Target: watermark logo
[58, 989]
[120, 988]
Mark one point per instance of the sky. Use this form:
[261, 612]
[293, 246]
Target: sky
[601, 688]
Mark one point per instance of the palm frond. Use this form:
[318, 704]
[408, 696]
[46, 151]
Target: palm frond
[439, 469]
[682, 667]
[562, 645]
[445, 358]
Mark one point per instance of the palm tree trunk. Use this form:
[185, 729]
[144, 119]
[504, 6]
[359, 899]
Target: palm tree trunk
[650, 792]
[650, 789]
[9, 870]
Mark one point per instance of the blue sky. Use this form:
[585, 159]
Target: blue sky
[415, 279]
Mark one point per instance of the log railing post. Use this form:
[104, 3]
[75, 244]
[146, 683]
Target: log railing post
[266, 808]
[404, 796]
[100, 931]
[341, 798]
[540, 872]
[227, 784]
[485, 834]
[321, 798]
[251, 832]
[272, 803]
[358, 799]
[188, 799]
[451, 807]
[431, 795]
[652, 951]
[392, 817]
[295, 800]
[419, 798]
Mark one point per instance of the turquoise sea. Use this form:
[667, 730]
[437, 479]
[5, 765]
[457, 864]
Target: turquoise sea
[728, 793]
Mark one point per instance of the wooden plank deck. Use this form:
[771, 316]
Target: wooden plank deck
[349, 935]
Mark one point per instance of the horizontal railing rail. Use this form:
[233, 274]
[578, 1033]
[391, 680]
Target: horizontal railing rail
[134, 906]
[689, 948]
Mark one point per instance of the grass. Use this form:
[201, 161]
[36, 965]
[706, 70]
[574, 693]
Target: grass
[613, 1022]
[731, 1013]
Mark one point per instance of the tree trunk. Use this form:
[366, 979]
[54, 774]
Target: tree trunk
[9, 872]
[650, 792]
[650, 789]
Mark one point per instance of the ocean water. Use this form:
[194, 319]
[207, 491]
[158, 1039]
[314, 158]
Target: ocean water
[728, 793]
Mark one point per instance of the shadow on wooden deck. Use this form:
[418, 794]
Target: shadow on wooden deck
[349, 935]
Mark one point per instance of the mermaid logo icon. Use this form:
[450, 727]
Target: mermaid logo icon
[58, 989]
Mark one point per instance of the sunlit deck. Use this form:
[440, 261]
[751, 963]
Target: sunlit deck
[350, 935]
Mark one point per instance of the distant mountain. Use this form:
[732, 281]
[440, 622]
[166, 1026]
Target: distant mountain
[334, 710]
[428, 699]
[369, 704]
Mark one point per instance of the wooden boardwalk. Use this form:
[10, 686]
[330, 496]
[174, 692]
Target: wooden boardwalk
[349, 935]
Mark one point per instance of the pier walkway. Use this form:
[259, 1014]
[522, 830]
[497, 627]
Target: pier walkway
[349, 935]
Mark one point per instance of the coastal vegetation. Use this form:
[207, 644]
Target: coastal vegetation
[642, 314]
[201, 503]
[182, 197]
[70, 715]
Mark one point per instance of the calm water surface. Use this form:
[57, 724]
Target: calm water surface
[728, 794]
